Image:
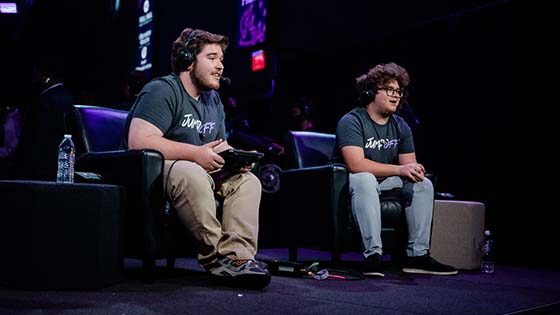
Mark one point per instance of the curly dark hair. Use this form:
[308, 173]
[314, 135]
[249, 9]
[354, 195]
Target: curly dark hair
[380, 75]
[198, 41]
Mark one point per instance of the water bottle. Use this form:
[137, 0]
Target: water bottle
[487, 265]
[66, 160]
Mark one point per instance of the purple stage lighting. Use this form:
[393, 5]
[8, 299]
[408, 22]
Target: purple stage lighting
[8, 8]
[252, 22]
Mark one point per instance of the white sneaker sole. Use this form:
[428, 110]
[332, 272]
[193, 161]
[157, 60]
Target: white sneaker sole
[427, 272]
[374, 274]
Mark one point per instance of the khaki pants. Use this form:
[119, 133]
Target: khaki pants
[191, 191]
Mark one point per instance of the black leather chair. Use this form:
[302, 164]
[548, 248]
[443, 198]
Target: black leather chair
[316, 201]
[150, 232]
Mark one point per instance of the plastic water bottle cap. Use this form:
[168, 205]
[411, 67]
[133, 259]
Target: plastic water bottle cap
[67, 136]
[487, 233]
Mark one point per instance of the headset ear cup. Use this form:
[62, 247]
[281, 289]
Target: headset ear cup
[186, 55]
[367, 96]
[186, 59]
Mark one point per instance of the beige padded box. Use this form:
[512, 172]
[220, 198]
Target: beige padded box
[457, 233]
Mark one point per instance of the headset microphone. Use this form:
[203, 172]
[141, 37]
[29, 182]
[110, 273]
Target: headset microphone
[225, 81]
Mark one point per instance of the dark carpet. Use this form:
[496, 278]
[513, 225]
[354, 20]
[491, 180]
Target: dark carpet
[186, 290]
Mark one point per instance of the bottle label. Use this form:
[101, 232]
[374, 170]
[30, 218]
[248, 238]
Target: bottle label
[65, 173]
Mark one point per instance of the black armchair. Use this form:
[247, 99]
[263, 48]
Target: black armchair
[317, 202]
[147, 228]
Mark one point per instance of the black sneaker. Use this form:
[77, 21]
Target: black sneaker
[427, 265]
[371, 267]
[246, 273]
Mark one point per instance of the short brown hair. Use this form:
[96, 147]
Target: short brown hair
[198, 40]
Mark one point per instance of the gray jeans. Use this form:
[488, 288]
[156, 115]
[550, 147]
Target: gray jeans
[366, 209]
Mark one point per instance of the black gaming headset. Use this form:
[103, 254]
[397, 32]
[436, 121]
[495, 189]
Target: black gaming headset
[186, 55]
[367, 96]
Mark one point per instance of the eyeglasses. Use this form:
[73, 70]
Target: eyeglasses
[392, 92]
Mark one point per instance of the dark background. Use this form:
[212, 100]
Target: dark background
[459, 56]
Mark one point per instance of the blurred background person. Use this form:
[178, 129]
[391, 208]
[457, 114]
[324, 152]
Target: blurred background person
[300, 117]
[10, 128]
[43, 124]
[130, 87]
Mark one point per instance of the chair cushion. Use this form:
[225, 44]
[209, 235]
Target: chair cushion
[310, 148]
[97, 129]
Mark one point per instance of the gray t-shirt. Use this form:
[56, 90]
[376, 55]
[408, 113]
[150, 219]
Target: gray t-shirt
[381, 143]
[165, 103]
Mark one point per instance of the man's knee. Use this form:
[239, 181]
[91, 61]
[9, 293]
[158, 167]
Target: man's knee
[186, 175]
[251, 181]
[363, 181]
[424, 186]
[245, 183]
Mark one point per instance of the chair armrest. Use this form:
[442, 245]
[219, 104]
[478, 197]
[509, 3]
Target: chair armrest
[329, 181]
[125, 167]
[318, 196]
[141, 173]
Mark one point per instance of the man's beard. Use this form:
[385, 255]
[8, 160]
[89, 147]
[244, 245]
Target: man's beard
[199, 82]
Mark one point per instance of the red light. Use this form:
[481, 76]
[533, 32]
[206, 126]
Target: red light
[258, 60]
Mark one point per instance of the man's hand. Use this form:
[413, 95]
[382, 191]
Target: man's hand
[247, 168]
[222, 146]
[413, 171]
[207, 157]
